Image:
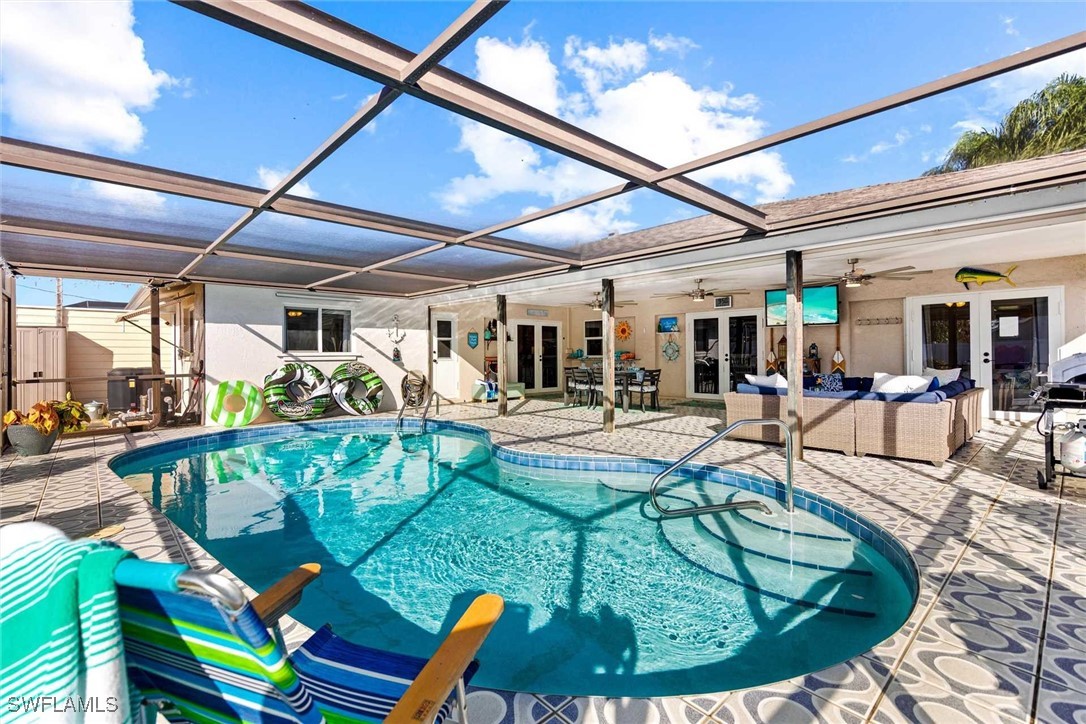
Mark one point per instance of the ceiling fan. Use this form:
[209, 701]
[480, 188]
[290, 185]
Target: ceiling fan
[597, 303]
[857, 277]
[698, 294]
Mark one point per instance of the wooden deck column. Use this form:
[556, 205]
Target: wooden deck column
[503, 372]
[608, 355]
[793, 262]
[155, 403]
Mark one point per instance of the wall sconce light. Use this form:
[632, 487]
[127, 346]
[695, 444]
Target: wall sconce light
[294, 312]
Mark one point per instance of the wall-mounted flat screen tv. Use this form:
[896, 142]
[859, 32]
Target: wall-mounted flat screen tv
[820, 306]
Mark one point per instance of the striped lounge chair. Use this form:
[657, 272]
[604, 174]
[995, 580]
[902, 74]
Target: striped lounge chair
[199, 651]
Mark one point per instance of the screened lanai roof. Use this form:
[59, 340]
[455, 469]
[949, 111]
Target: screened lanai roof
[66, 212]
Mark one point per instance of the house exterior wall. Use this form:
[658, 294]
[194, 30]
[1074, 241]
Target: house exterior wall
[868, 348]
[244, 336]
[875, 346]
[97, 343]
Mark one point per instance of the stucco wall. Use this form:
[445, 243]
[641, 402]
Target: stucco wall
[244, 336]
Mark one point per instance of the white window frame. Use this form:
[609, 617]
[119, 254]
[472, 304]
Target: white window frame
[320, 325]
[586, 337]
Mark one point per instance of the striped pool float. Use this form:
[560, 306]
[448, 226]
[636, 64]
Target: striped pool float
[207, 663]
[216, 403]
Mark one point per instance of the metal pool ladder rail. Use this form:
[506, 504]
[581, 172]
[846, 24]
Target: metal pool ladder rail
[699, 509]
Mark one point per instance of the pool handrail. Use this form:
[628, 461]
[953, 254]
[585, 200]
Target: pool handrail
[700, 509]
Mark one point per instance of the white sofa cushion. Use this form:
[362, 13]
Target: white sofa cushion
[897, 384]
[945, 376]
[773, 380]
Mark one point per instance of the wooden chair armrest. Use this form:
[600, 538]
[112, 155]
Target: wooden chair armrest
[284, 595]
[421, 701]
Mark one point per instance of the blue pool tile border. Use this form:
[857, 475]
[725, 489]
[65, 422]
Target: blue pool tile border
[843, 517]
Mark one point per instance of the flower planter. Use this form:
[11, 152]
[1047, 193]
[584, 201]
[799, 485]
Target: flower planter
[27, 441]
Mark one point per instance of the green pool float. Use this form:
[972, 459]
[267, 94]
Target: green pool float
[357, 388]
[297, 391]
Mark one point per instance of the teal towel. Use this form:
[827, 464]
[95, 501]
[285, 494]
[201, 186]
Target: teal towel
[60, 629]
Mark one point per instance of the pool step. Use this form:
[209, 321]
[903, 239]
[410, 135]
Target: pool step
[815, 574]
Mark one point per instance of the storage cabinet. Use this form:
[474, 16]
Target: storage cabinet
[40, 353]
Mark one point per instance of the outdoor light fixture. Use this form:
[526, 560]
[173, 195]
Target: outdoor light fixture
[294, 313]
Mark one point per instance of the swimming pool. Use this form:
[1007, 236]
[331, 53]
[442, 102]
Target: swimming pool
[602, 598]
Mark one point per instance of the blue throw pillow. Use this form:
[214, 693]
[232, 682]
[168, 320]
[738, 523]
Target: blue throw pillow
[934, 384]
[833, 382]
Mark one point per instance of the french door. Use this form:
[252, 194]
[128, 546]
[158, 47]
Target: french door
[1004, 340]
[722, 347]
[537, 361]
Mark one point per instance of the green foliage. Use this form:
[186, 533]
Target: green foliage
[1052, 120]
[72, 415]
[42, 417]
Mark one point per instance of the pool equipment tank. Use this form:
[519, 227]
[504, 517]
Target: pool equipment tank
[1073, 448]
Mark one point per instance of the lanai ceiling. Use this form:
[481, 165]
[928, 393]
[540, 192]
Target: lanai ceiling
[224, 232]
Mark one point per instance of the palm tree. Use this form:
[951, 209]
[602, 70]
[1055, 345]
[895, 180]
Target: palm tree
[1052, 120]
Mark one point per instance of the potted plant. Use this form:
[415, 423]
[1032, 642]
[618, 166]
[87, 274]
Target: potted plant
[73, 415]
[35, 432]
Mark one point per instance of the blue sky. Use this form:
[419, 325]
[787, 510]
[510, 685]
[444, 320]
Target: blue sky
[673, 81]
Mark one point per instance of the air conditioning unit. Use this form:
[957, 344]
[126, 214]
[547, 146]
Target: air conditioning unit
[723, 302]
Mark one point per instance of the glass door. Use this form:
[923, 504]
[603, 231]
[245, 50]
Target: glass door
[722, 347]
[526, 355]
[1003, 340]
[705, 357]
[743, 356]
[947, 338]
[537, 350]
[549, 363]
[1018, 350]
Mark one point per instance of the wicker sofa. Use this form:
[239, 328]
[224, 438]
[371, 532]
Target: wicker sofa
[920, 426]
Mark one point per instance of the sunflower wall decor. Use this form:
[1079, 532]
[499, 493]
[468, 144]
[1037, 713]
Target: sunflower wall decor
[623, 331]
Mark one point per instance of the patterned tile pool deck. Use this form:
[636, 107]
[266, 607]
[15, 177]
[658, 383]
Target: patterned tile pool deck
[998, 635]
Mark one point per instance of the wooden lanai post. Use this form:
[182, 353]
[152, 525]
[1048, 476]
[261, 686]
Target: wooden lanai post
[793, 262]
[608, 355]
[503, 372]
[155, 403]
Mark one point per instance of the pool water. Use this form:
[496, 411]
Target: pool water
[602, 598]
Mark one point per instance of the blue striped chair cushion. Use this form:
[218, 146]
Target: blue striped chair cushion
[358, 682]
[208, 664]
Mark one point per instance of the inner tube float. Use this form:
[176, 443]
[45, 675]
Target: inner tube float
[297, 391]
[219, 412]
[357, 388]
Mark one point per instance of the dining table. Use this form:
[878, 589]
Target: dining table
[622, 376]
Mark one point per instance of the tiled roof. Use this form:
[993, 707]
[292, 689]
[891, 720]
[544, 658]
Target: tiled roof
[837, 202]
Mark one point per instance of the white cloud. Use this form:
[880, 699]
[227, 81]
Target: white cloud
[339, 97]
[596, 66]
[587, 223]
[672, 44]
[900, 139]
[852, 158]
[75, 74]
[125, 198]
[522, 70]
[1008, 25]
[1004, 91]
[972, 124]
[925, 128]
[269, 177]
[657, 114]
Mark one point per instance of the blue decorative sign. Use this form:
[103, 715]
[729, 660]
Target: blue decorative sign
[473, 339]
[668, 324]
